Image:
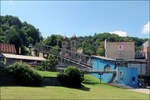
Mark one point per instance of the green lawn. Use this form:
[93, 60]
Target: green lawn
[88, 78]
[97, 91]
[92, 90]
[47, 74]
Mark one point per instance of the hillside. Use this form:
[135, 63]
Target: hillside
[94, 45]
[22, 34]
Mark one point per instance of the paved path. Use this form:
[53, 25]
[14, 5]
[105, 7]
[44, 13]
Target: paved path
[146, 91]
[120, 85]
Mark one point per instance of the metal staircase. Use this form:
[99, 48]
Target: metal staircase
[66, 56]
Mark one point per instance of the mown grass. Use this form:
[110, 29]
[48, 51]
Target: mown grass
[97, 91]
[87, 78]
[91, 90]
[47, 74]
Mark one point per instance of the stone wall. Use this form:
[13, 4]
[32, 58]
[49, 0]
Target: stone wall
[50, 81]
[8, 80]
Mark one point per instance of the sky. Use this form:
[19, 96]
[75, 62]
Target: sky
[83, 18]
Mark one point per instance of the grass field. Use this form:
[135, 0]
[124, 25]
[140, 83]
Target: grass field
[87, 78]
[91, 90]
[48, 74]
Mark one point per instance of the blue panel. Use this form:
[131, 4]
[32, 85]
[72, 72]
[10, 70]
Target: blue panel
[129, 76]
[100, 64]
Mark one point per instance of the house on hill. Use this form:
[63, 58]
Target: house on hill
[8, 56]
[7, 48]
[9, 59]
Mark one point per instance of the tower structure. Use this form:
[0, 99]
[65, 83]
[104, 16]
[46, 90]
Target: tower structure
[64, 45]
[73, 45]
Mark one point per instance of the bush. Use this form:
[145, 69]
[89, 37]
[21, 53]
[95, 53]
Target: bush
[44, 64]
[52, 62]
[24, 74]
[71, 77]
[2, 64]
[39, 68]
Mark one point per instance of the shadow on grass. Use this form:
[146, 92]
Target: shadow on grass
[83, 88]
[15, 84]
[94, 83]
[91, 83]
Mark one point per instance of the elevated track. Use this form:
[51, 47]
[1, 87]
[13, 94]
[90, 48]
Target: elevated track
[67, 56]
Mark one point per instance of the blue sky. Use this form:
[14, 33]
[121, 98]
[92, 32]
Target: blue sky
[82, 18]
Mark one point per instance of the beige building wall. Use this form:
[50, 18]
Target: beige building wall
[145, 49]
[113, 50]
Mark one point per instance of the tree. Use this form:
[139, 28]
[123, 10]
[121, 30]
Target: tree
[14, 39]
[21, 34]
[95, 45]
[71, 77]
[100, 51]
[52, 62]
[53, 40]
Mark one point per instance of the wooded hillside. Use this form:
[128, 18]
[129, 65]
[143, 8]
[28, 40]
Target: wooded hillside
[22, 34]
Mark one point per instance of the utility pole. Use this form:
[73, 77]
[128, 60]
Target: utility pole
[100, 77]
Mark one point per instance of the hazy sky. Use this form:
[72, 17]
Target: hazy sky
[126, 18]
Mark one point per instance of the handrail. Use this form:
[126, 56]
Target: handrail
[78, 59]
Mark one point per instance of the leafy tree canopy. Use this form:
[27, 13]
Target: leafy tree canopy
[19, 33]
[94, 45]
[22, 34]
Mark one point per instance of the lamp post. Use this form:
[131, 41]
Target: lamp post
[100, 77]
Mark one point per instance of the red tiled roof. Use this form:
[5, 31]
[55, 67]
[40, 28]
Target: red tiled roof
[7, 48]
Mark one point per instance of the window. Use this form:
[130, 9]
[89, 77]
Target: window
[107, 68]
[121, 75]
[73, 43]
[133, 80]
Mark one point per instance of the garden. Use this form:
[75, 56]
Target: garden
[29, 85]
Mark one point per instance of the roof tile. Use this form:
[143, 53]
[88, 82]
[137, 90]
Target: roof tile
[7, 48]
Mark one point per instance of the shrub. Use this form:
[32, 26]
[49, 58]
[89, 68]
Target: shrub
[71, 77]
[39, 68]
[24, 74]
[52, 62]
[44, 64]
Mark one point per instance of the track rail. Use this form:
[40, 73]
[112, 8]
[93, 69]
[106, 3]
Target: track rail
[67, 55]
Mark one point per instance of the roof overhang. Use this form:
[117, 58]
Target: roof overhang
[22, 57]
[134, 61]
